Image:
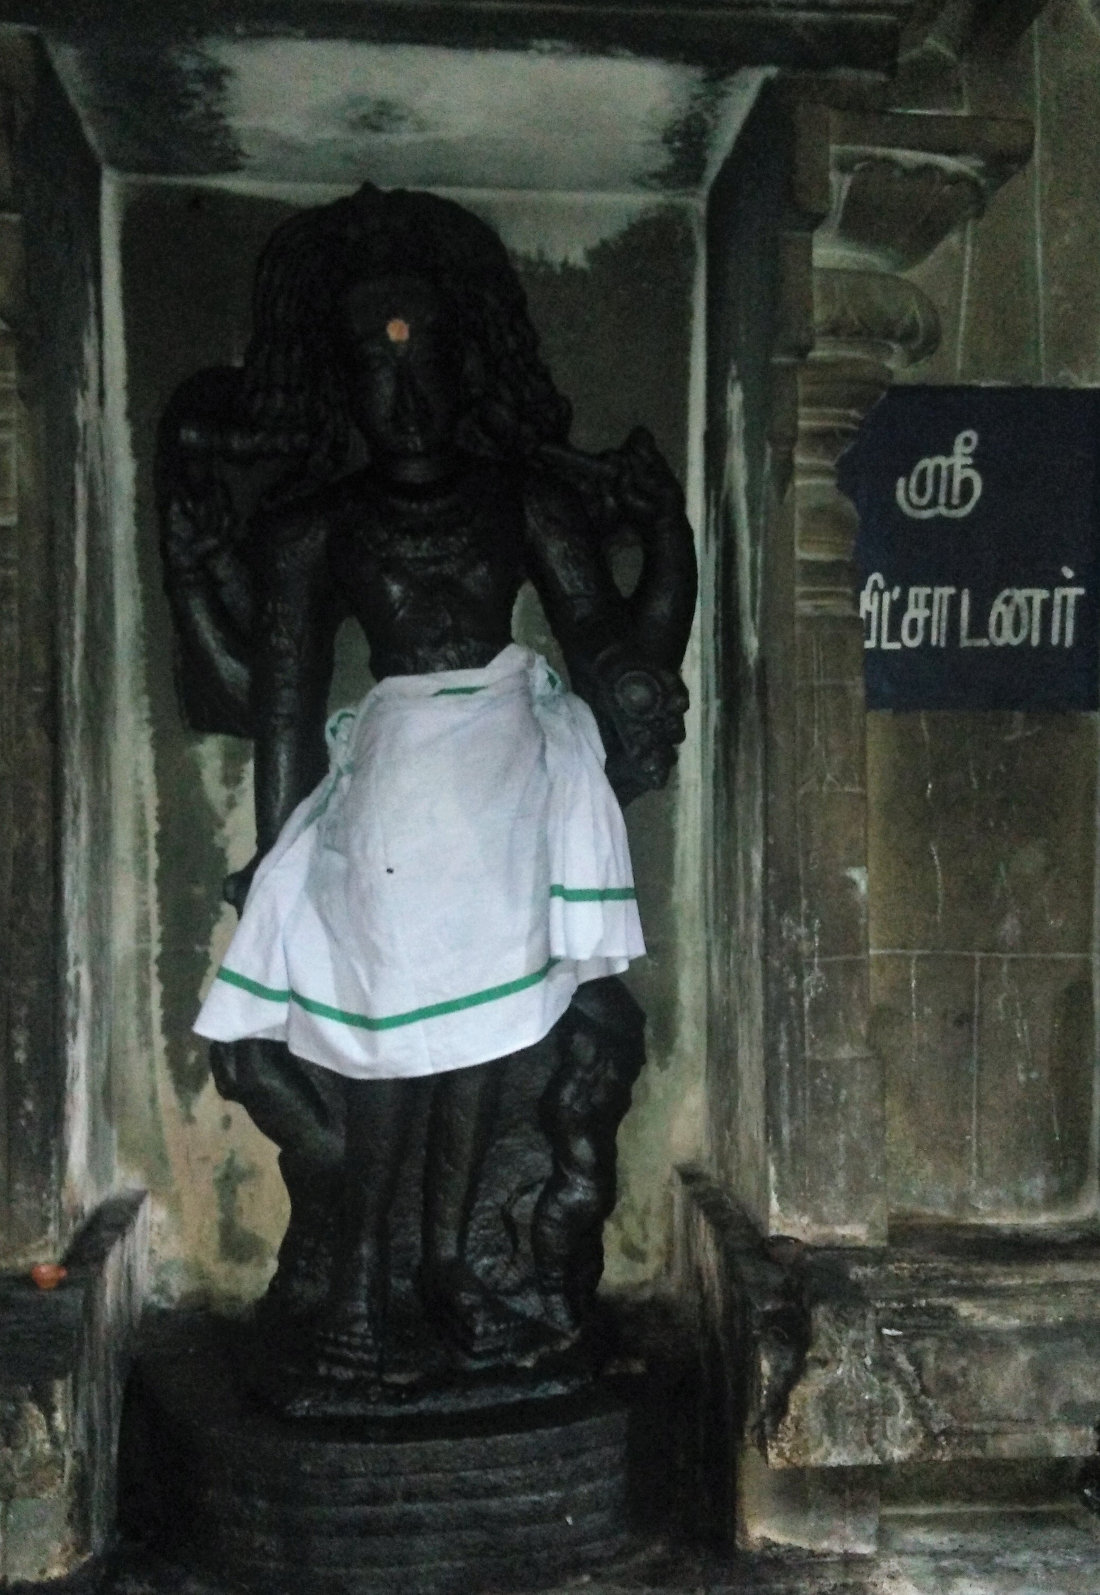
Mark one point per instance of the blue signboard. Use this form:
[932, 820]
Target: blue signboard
[977, 548]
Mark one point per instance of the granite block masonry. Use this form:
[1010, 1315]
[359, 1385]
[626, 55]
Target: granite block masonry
[64, 1356]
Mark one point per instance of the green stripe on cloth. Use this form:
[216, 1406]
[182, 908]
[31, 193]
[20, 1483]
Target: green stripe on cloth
[359, 1021]
[456, 692]
[592, 894]
[231, 978]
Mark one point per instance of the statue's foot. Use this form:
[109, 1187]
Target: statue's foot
[347, 1343]
[559, 1318]
[475, 1322]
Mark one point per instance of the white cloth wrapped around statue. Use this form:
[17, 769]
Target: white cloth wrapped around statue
[436, 901]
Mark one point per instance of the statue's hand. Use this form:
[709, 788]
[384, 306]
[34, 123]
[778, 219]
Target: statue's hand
[646, 706]
[189, 547]
[235, 887]
[645, 492]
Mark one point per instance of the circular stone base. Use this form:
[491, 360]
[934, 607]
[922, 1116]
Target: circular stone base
[498, 1498]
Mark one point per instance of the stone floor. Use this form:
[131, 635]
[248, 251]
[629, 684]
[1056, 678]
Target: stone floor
[1053, 1551]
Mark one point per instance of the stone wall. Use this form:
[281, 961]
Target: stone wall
[60, 687]
[982, 827]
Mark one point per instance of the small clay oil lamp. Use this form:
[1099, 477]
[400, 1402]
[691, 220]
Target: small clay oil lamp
[47, 1276]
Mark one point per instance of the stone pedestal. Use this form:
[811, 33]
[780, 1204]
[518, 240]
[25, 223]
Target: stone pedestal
[509, 1496]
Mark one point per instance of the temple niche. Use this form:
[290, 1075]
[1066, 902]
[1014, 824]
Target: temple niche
[852, 1267]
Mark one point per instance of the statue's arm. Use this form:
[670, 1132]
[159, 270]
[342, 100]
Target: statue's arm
[207, 583]
[650, 503]
[638, 700]
[631, 489]
[587, 613]
[296, 621]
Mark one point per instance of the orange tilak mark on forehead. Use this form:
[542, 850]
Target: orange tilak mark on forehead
[397, 331]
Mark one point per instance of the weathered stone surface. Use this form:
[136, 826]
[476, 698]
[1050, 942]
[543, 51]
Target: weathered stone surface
[988, 1081]
[899, 184]
[1034, 1086]
[1012, 1550]
[41, 1539]
[64, 1356]
[833, 857]
[834, 1511]
[831, 654]
[946, 1345]
[161, 103]
[981, 825]
[923, 1025]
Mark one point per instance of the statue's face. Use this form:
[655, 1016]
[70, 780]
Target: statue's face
[403, 368]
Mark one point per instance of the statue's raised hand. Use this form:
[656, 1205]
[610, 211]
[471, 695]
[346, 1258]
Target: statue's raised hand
[644, 492]
[645, 705]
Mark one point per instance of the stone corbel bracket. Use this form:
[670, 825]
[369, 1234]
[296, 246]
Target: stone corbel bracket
[867, 325]
[902, 182]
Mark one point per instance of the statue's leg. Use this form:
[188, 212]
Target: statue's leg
[601, 1044]
[300, 1107]
[463, 1113]
[379, 1118]
[297, 1105]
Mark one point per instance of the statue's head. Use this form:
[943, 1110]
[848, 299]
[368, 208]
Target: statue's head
[399, 314]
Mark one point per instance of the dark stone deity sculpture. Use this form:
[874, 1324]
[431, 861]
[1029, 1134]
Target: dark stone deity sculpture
[393, 450]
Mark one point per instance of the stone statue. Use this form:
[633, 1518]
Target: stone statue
[393, 450]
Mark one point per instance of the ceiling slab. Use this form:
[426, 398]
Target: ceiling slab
[317, 112]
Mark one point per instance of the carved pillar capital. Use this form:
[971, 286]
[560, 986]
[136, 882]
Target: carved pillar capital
[899, 184]
[867, 325]
[869, 315]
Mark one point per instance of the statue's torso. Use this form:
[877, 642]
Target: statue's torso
[430, 573]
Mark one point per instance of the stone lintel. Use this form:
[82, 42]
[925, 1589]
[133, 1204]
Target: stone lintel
[814, 35]
[64, 1356]
[944, 1345]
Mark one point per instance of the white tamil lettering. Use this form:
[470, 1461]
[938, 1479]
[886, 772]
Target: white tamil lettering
[891, 595]
[965, 639]
[1063, 615]
[869, 604]
[918, 496]
[1036, 597]
[1009, 618]
[941, 612]
[1017, 616]
[942, 484]
[917, 614]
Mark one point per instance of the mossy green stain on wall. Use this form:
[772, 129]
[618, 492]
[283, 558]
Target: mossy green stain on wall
[236, 1242]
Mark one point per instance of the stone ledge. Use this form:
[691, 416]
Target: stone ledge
[946, 1344]
[64, 1356]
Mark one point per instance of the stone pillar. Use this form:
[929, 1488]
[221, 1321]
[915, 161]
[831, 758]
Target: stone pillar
[788, 1320]
[898, 185]
[827, 1088]
[32, 1067]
